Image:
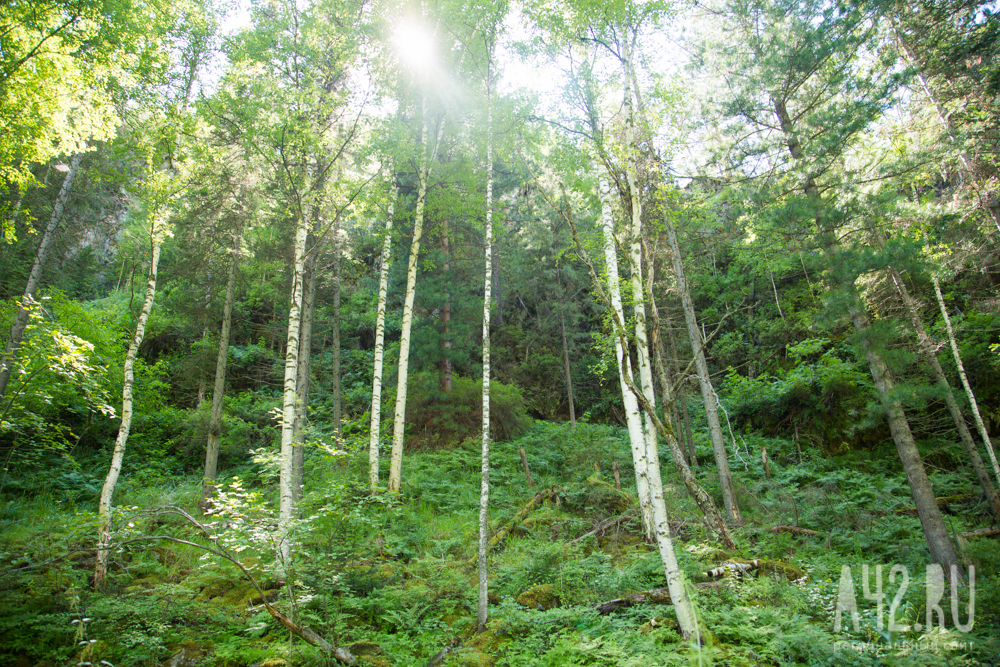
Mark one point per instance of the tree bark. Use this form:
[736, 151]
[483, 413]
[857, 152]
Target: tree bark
[302, 378]
[638, 292]
[566, 368]
[35, 277]
[444, 379]
[633, 420]
[118, 455]
[218, 391]
[939, 543]
[396, 459]
[704, 381]
[927, 348]
[965, 380]
[482, 608]
[376, 408]
[338, 406]
[286, 497]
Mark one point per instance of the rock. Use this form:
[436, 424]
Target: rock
[541, 597]
[369, 653]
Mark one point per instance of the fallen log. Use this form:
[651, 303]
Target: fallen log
[794, 530]
[654, 596]
[304, 632]
[501, 535]
[604, 525]
[733, 567]
[991, 531]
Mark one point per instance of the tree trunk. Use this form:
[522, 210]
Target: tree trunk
[215, 419]
[681, 385]
[399, 418]
[484, 487]
[338, 409]
[965, 380]
[633, 419]
[302, 378]
[927, 348]
[704, 381]
[35, 277]
[376, 409]
[638, 292]
[942, 551]
[118, 455]
[935, 533]
[569, 375]
[286, 497]
[444, 379]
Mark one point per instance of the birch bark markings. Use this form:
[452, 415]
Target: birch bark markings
[633, 420]
[302, 376]
[285, 492]
[396, 457]
[965, 380]
[638, 293]
[376, 409]
[927, 349]
[118, 454]
[647, 468]
[484, 485]
[35, 277]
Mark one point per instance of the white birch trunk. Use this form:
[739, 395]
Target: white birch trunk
[338, 411]
[927, 347]
[633, 419]
[302, 377]
[638, 293]
[484, 487]
[286, 500]
[965, 381]
[376, 409]
[218, 391]
[399, 418]
[650, 493]
[118, 454]
[35, 277]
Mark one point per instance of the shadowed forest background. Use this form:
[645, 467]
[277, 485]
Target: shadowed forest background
[731, 272]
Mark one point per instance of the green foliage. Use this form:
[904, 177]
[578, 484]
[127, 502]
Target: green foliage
[58, 383]
[823, 395]
[436, 418]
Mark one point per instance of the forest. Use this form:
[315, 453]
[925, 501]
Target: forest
[538, 333]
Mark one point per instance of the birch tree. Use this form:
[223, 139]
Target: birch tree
[634, 399]
[158, 230]
[376, 408]
[484, 488]
[425, 161]
[980, 425]
[420, 50]
[35, 277]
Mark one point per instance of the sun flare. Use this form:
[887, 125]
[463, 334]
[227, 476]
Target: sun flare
[414, 45]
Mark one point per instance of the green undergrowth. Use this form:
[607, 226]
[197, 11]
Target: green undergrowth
[393, 577]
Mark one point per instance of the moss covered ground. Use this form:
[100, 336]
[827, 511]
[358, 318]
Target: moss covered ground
[393, 578]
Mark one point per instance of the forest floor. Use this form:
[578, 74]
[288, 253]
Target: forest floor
[393, 578]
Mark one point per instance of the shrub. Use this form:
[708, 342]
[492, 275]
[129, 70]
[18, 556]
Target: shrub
[437, 419]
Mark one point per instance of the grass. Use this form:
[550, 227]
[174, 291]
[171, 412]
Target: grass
[395, 572]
